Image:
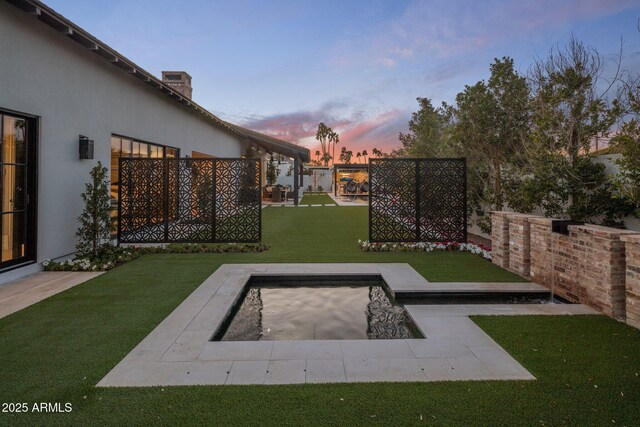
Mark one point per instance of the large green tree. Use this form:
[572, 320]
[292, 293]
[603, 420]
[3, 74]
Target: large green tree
[570, 111]
[627, 143]
[427, 133]
[491, 125]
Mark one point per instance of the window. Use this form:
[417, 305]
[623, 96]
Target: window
[17, 185]
[125, 147]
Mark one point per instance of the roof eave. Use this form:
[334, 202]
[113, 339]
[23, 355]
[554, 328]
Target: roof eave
[59, 23]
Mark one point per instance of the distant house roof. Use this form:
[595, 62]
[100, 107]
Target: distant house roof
[61, 24]
[274, 144]
[351, 166]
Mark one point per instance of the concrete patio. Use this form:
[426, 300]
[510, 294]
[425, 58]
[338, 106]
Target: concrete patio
[178, 350]
[21, 293]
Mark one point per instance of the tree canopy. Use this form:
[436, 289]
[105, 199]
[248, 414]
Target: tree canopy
[527, 139]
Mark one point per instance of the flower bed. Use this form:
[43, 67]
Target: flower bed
[113, 256]
[480, 250]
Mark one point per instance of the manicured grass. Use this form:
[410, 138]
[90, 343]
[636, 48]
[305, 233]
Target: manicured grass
[317, 199]
[331, 235]
[57, 350]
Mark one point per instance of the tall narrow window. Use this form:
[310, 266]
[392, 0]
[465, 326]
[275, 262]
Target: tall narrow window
[16, 220]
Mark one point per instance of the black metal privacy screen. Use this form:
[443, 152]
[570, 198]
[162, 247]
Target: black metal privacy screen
[189, 200]
[417, 200]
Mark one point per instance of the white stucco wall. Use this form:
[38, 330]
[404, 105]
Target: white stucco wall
[74, 91]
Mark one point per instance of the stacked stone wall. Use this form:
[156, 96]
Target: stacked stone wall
[500, 239]
[519, 244]
[632, 279]
[594, 265]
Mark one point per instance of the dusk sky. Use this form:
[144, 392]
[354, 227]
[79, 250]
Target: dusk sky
[281, 67]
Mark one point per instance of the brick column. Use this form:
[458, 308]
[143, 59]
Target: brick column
[632, 255]
[519, 243]
[600, 264]
[540, 245]
[500, 238]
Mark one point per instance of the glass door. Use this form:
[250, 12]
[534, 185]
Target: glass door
[16, 223]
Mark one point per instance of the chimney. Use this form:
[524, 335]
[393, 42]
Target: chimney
[180, 81]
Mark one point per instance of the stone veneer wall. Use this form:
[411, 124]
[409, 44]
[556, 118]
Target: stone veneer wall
[599, 263]
[632, 254]
[500, 238]
[587, 266]
[519, 244]
[540, 252]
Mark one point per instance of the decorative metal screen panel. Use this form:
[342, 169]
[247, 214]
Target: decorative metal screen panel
[417, 200]
[189, 200]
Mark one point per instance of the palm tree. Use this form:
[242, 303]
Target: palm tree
[326, 135]
[335, 139]
[365, 154]
[318, 156]
[348, 155]
[358, 156]
[343, 155]
[375, 152]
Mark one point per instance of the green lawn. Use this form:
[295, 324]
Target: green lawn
[317, 199]
[56, 351]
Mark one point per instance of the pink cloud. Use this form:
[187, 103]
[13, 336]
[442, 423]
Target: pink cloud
[356, 132]
[379, 132]
[298, 125]
[359, 131]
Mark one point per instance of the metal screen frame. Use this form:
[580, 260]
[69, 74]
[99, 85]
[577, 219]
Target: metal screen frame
[418, 200]
[189, 200]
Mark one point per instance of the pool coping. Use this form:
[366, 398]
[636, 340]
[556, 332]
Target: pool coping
[178, 350]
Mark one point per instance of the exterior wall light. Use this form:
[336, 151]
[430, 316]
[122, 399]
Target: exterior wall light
[86, 148]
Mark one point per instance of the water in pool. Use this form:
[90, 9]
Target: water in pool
[317, 313]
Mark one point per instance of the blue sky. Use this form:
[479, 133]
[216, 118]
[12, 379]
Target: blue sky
[280, 67]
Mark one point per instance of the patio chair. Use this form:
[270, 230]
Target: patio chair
[266, 193]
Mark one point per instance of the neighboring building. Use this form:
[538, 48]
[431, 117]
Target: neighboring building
[319, 179]
[58, 83]
[351, 179]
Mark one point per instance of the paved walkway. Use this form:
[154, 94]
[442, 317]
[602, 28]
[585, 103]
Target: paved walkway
[348, 200]
[22, 293]
[178, 351]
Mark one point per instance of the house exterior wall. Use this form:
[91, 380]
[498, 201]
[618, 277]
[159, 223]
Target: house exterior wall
[75, 92]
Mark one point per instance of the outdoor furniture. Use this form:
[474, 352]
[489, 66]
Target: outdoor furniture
[266, 192]
[276, 195]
